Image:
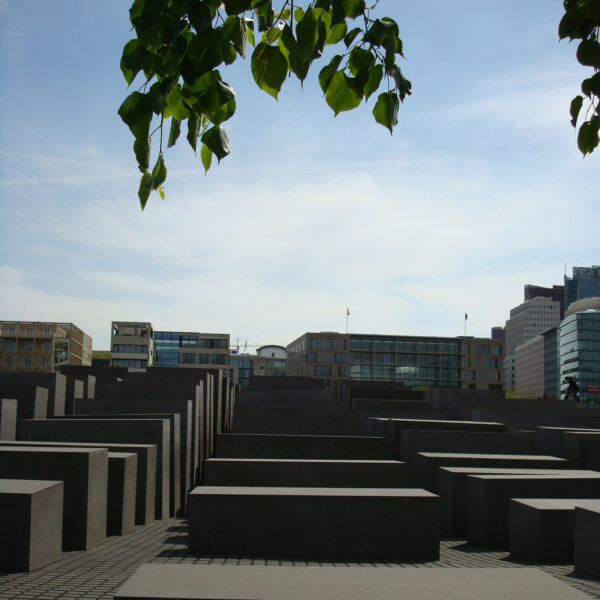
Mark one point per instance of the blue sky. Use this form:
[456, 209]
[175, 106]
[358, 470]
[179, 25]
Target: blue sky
[480, 190]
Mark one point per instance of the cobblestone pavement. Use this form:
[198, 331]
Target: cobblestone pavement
[98, 573]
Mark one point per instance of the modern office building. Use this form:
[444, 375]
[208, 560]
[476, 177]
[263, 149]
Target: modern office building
[42, 346]
[498, 333]
[529, 368]
[584, 283]
[131, 345]
[556, 293]
[526, 321]
[416, 361]
[593, 303]
[551, 370]
[579, 353]
[191, 349]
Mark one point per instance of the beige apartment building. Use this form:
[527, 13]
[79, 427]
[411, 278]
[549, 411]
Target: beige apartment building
[483, 364]
[131, 344]
[42, 346]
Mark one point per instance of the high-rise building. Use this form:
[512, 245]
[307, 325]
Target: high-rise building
[579, 353]
[584, 283]
[42, 346]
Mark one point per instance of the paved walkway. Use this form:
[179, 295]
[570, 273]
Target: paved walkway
[97, 574]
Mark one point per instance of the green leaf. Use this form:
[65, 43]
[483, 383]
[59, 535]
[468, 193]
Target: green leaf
[382, 30]
[217, 142]
[234, 30]
[343, 93]
[576, 105]
[161, 192]
[307, 34]
[152, 181]
[131, 63]
[587, 138]
[174, 132]
[386, 110]
[235, 7]
[403, 85]
[175, 106]
[351, 36]
[373, 81]
[360, 59]
[328, 72]
[141, 148]
[206, 157]
[136, 112]
[159, 102]
[354, 8]
[588, 53]
[336, 33]
[269, 68]
[193, 129]
[250, 31]
[144, 189]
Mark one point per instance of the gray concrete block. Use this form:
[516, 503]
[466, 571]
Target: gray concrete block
[427, 464]
[121, 431]
[75, 390]
[56, 383]
[303, 473]
[176, 480]
[453, 492]
[145, 491]
[587, 541]
[396, 426]
[8, 419]
[31, 523]
[488, 504]
[582, 449]
[549, 440]
[242, 582]
[542, 530]
[476, 442]
[120, 515]
[85, 475]
[240, 445]
[33, 399]
[343, 523]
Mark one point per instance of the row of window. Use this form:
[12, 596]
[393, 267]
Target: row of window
[405, 346]
[130, 348]
[27, 346]
[29, 331]
[323, 344]
[130, 363]
[339, 357]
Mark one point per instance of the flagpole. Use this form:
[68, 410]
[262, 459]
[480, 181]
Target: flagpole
[466, 317]
[347, 315]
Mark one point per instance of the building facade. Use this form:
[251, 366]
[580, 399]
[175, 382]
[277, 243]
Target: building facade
[323, 355]
[579, 353]
[529, 368]
[131, 345]
[584, 283]
[556, 293]
[42, 346]
[191, 349]
[551, 370]
[482, 364]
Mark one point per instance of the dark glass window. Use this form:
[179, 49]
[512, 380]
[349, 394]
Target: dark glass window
[323, 371]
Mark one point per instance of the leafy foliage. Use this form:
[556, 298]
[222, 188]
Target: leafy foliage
[181, 44]
[581, 21]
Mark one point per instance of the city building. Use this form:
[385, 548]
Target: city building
[191, 349]
[556, 293]
[498, 333]
[593, 303]
[584, 283]
[275, 360]
[529, 368]
[551, 370]
[526, 321]
[131, 345]
[579, 353]
[416, 361]
[42, 346]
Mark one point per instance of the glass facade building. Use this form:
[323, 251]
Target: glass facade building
[174, 349]
[579, 353]
[585, 283]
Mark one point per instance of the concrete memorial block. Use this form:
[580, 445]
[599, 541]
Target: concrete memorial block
[161, 397]
[248, 472]
[120, 515]
[75, 391]
[453, 491]
[373, 404]
[582, 449]
[364, 417]
[476, 442]
[242, 582]
[488, 505]
[56, 383]
[542, 530]
[427, 464]
[176, 481]
[396, 426]
[145, 490]
[33, 399]
[549, 440]
[242, 445]
[120, 431]
[8, 419]
[587, 541]
[378, 427]
[31, 523]
[343, 523]
[85, 475]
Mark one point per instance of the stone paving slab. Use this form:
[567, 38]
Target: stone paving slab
[98, 573]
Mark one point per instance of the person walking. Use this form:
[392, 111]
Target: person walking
[572, 388]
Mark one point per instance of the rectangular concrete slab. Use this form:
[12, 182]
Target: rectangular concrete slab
[56, 383]
[453, 491]
[303, 473]
[427, 464]
[8, 419]
[33, 399]
[582, 449]
[542, 530]
[122, 431]
[240, 445]
[31, 522]
[343, 523]
[145, 473]
[240, 582]
[85, 475]
[120, 516]
[488, 504]
[587, 541]
[549, 439]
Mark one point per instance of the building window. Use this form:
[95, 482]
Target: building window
[28, 346]
[10, 346]
[328, 344]
[342, 371]
[314, 344]
[340, 357]
[10, 361]
[130, 363]
[311, 357]
[47, 331]
[46, 347]
[481, 349]
[27, 361]
[29, 330]
[130, 348]
[323, 371]
[12, 330]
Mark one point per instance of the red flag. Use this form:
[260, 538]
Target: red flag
[466, 316]
[347, 311]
